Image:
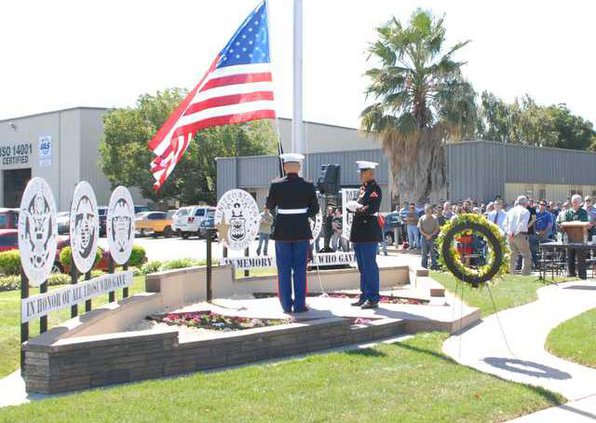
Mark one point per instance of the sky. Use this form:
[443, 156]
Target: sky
[59, 54]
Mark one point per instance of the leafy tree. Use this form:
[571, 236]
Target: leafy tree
[420, 101]
[525, 122]
[125, 156]
[572, 131]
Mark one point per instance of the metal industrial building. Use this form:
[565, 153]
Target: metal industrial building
[477, 169]
[62, 147]
[59, 146]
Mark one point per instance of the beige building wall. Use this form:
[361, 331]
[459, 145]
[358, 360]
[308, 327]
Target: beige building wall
[549, 192]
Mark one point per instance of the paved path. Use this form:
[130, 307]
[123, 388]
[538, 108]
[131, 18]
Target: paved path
[526, 328]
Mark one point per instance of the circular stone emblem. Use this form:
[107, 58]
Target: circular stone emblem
[84, 227]
[37, 231]
[120, 225]
[237, 219]
[316, 224]
[463, 229]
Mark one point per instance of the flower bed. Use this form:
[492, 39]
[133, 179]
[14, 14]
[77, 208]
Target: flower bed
[214, 321]
[386, 299]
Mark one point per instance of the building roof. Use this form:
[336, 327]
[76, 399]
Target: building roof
[54, 111]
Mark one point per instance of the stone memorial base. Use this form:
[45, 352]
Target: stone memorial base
[116, 343]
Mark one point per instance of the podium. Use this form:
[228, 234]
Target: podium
[576, 231]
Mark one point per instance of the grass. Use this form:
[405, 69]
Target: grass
[409, 381]
[574, 339]
[511, 291]
[10, 309]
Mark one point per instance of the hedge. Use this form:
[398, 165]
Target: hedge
[13, 282]
[10, 262]
[10, 283]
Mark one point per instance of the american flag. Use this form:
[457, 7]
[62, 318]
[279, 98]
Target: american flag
[236, 88]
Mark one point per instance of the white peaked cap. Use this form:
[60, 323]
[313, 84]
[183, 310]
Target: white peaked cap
[363, 165]
[292, 157]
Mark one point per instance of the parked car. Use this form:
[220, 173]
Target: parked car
[9, 218]
[208, 224]
[103, 217]
[192, 224]
[179, 218]
[63, 221]
[154, 223]
[8, 239]
[392, 220]
[139, 209]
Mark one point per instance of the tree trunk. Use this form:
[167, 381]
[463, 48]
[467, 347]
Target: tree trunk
[418, 167]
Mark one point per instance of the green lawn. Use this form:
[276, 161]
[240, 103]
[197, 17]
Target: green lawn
[574, 339]
[409, 381]
[10, 306]
[511, 291]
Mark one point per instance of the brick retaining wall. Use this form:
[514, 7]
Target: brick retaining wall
[87, 362]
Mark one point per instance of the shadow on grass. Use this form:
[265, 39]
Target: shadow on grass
[366, 352]
[551, 397]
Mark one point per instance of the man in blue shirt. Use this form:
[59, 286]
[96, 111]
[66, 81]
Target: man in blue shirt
[544, 222]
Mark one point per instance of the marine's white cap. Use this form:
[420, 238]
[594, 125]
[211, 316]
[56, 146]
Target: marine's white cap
[363, 165]
[292, 157]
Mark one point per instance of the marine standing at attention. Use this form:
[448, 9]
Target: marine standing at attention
[366, 234]
[296, 201]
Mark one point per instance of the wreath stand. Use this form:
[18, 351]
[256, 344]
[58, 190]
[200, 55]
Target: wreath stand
[465, 224]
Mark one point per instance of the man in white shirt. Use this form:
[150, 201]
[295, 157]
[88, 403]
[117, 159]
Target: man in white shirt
[517, 231]
[497, 215]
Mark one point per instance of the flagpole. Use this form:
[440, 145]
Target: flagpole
[298, 145]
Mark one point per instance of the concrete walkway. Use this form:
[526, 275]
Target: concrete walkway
[523, 357]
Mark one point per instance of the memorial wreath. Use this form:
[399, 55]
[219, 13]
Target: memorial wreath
[454, 244]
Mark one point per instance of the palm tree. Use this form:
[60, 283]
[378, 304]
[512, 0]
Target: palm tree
[421, 101]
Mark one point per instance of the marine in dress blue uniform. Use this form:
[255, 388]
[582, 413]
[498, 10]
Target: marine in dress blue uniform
[295, 200]
[366, 234]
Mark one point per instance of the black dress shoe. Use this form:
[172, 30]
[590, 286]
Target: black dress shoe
[369, 304]
[301, 310]
[358, 303]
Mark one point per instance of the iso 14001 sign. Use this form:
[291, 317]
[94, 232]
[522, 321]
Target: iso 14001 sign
[15, 154]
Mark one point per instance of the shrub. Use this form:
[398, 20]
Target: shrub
[135, 271]
[10, 262]
[10, 283]
[138, 256]
[178, 264]
[151, 267]
[58, 279]
[66, 257]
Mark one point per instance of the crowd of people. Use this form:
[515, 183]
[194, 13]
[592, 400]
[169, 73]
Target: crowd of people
[525, 225]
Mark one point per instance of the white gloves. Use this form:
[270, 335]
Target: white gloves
[353, 205]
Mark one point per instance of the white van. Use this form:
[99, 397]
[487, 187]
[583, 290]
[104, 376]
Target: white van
[187, 221]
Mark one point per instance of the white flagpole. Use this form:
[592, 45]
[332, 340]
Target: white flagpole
[298, 144]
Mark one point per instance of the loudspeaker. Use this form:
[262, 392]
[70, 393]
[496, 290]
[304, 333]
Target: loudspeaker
[328, 181]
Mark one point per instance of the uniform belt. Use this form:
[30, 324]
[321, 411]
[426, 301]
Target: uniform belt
[292, 211]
